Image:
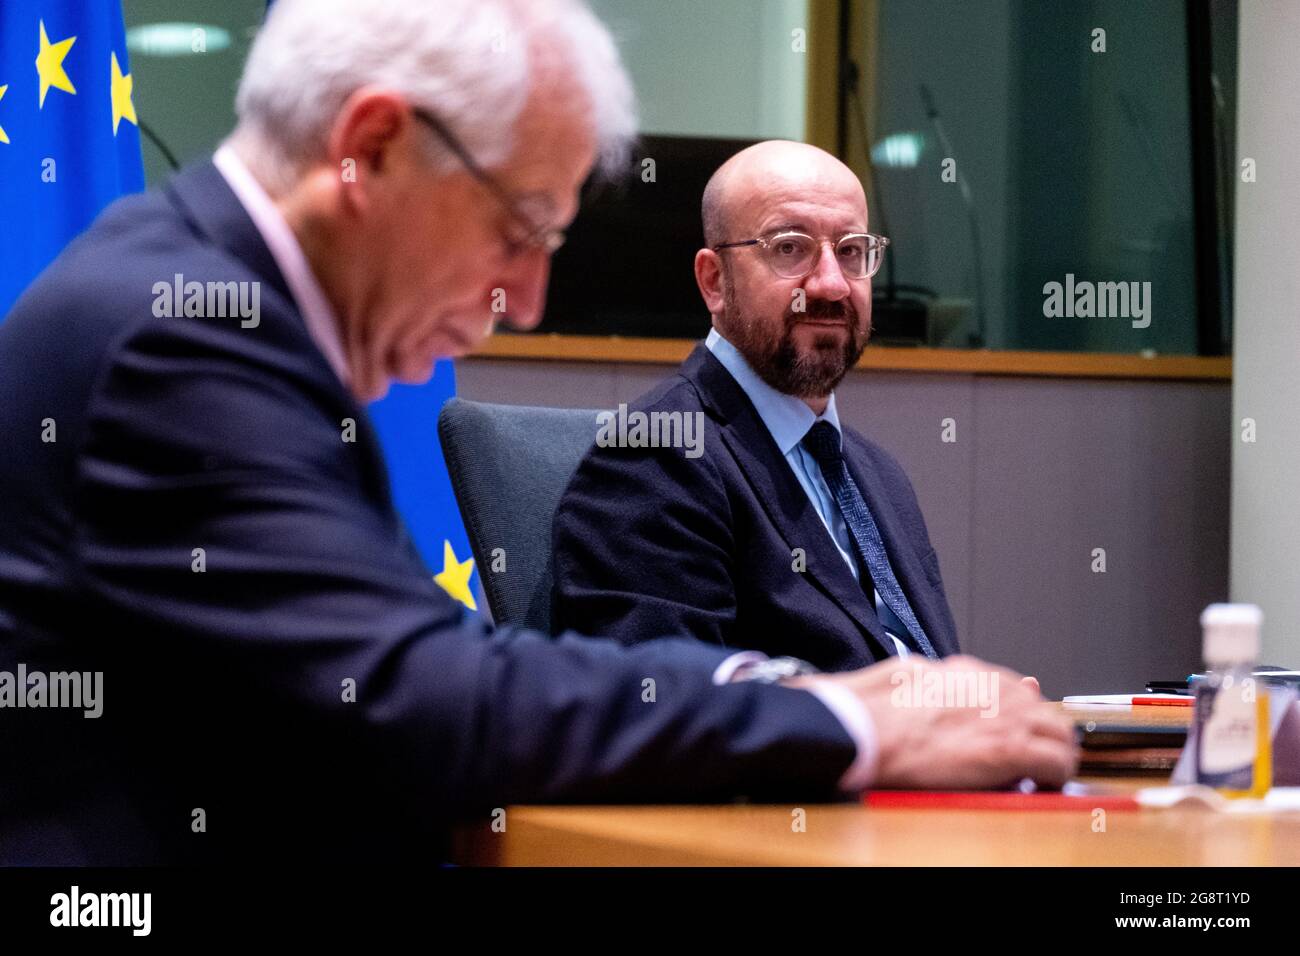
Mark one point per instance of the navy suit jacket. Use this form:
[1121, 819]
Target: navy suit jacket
[649, 542]
[226, 733]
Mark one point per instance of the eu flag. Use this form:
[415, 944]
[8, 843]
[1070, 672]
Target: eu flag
[69, 144]
[406, 420]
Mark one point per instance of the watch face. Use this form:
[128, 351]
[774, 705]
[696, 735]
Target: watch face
[772, 670]
[793, 666]
[777, 669]
[767, 673]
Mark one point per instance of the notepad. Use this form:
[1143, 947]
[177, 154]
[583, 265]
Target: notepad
[1128, 700]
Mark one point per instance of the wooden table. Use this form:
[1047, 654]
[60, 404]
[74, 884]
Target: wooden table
[855, 835]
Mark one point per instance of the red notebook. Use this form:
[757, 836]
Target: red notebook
[994, 800]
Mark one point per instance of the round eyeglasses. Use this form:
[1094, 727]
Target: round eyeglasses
[793, 255]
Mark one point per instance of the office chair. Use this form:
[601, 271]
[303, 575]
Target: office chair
[509, 465]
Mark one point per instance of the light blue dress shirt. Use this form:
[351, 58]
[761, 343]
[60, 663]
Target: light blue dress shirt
[788, 419]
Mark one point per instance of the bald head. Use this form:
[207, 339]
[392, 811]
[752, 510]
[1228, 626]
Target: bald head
[767, 172]
[799, 313]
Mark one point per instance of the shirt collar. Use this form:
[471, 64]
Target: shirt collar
[310, 298]
[788, 418]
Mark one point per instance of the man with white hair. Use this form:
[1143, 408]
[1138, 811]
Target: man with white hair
[194, 505]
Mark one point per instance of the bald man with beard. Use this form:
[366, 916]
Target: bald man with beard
[778, 529]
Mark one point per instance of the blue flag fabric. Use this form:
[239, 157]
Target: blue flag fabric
[69, 144]
[407, 422]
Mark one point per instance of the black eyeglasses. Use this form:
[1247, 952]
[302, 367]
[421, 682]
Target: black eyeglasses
[527, 233]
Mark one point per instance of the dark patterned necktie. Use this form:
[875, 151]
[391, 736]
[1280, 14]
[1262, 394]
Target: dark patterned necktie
[823, 443]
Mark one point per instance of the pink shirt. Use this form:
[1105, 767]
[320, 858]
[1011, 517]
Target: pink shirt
[321, 321]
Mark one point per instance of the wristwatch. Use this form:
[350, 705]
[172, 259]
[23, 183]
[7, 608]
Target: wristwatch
[773, 670]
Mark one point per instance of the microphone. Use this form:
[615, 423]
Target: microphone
[932, 114]
[898, 314]
[927, 99]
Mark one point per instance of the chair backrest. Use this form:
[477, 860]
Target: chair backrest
[509, 466]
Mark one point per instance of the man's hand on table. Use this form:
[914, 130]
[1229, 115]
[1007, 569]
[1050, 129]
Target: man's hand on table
[960, 723]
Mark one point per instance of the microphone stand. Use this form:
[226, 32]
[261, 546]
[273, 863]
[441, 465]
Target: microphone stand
[976, 339]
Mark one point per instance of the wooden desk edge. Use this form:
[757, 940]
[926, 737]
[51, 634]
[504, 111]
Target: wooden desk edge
[651, 351]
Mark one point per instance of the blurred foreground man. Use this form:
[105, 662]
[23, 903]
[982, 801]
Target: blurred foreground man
[185, 515]
[782, 530]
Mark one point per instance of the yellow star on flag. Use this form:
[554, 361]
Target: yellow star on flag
[49, 64]
[121, 90]
[4, 137]
[454, 578]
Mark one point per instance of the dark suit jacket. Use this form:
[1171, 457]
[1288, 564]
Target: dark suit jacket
[223, 689]
[649, 542]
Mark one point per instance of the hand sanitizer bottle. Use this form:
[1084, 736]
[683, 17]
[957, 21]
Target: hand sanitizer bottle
[1233, 748]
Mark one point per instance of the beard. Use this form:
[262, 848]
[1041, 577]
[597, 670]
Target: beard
[813, 372]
